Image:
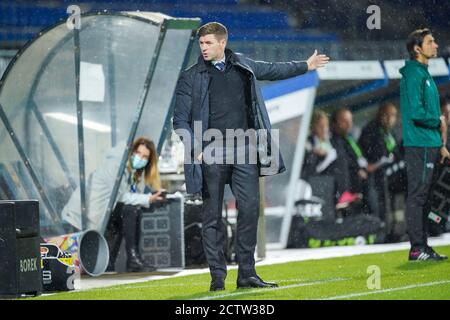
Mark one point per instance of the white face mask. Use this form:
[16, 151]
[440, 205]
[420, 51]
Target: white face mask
[137, 162]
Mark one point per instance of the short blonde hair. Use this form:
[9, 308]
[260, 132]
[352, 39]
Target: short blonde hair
[317, 116]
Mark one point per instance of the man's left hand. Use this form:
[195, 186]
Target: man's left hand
[362, 174]
[317, 61]
[444, 154]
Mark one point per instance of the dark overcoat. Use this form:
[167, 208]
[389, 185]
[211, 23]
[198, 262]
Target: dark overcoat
[192, 104]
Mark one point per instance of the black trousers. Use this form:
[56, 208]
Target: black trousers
[420, 163]
[244, 183]
[123, 223]
[376, 195]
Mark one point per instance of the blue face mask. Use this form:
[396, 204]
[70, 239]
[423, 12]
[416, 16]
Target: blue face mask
[138, 163]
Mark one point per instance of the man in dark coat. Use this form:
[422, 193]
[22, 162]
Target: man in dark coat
[351, 165]
[387, 174]
[217, 94]
[381, 148]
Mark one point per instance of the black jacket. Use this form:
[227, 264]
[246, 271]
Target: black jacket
[373, 145]
[372, 142]
[374, 148]
[347, 164]
[192, 105]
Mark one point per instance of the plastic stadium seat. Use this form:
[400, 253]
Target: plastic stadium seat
[244, 20]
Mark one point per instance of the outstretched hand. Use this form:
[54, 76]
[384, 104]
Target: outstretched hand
[317, 61]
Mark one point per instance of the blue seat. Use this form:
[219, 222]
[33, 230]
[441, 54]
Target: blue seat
[243, 22]
[240, 20]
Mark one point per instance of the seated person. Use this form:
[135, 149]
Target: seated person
[320, 154]
[381, 148]
[320, 163]
[140, 178]
[351, 165]
[139, 188]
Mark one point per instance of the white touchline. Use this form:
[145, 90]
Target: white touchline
[154, 285]
[420, 285]
[243, 292]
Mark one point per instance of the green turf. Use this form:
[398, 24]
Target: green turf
[314, 279]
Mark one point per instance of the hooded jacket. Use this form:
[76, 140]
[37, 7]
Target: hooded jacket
[99, 189]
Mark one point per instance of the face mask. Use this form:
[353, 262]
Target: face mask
[138, 163]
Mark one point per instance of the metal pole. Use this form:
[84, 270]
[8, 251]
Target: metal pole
[296, 167]
[53, 145]
[168, 122]
[79, 105]
[112, 91]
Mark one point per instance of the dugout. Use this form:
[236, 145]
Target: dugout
[71, 94]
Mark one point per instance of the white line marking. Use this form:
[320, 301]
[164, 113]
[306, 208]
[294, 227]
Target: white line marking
[155, 285]
[275, 257]
[243, 292]
[151, 284]
[420, 285]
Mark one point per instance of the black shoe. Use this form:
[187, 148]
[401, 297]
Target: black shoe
[425, 254]
[217, 284]
[434, 254]
[134, 262]
[254, 282]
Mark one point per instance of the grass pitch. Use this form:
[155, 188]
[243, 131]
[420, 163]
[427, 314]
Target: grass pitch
[352, 277]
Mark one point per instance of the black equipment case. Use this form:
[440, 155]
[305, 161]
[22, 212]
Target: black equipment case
[20, 260]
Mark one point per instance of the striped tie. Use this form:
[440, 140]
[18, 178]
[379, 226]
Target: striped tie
[220, 66]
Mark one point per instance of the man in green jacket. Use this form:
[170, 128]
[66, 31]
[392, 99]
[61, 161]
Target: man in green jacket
[424, 137]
